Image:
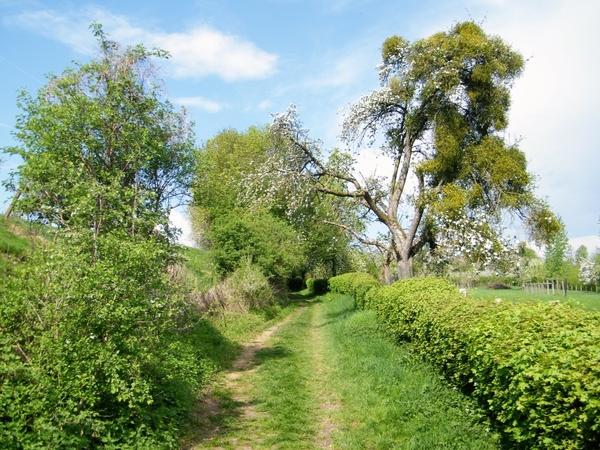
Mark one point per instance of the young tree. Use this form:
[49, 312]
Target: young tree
[101, 148]
[557, 255]
[95, 337]
[440, 112]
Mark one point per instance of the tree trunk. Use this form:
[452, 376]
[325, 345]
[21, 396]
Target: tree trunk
[387, 273]
[405, 268]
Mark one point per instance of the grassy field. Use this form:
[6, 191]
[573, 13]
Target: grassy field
[585, 300]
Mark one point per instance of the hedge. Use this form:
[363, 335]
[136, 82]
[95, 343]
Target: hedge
[355, 284]
[318, 286]
[533, 367]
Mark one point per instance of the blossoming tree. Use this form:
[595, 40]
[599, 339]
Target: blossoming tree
[439, 118]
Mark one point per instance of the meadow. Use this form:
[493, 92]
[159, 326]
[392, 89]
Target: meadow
[585, 300]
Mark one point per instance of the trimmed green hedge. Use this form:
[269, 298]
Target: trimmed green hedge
[533, 367]
[355, 284]
[317, 286]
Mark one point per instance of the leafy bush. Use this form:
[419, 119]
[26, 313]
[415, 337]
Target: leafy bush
[244, 290]
[355, 284]
[268, 241]
[535, 369]
[317, 286]
[97, 350]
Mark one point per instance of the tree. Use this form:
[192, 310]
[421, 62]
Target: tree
[440, 115]
[222, 211]
[556, 255]
[581, 254]
[270, 243]
[102, 150]
[96, 337]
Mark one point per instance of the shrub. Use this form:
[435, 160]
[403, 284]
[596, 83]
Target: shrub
[498, 285]
[97, 350]
[317, 286]
[355, 284]
[534, 368]
[244, 290]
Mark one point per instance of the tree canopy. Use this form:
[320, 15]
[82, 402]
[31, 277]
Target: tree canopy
[283, 237]
[101, 148]
[439, 118]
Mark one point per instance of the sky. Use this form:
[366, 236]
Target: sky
[234, 63]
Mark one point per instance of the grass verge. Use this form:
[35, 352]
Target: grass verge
[389, 398]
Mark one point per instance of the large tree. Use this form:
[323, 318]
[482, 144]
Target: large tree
[439, 118]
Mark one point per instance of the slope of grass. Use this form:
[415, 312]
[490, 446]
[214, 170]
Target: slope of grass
[200, 268]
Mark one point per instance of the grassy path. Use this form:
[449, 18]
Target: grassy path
[328, 378]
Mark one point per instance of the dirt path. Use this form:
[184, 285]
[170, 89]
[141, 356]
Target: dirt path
[228, 416]
[210, 419]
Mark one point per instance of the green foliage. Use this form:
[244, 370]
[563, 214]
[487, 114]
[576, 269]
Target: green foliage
[269, 242]
[222, 164]
[102, 149]
[99, 346]
[533, 368]
[557, 252]
[94, 348]
[357, 285]
[230, 177]
[317, 286]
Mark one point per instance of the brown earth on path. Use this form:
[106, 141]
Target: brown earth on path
[208, 410]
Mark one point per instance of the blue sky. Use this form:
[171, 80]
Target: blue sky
[234, 62]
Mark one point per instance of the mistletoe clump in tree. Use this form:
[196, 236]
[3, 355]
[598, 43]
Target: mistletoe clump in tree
[440, 114]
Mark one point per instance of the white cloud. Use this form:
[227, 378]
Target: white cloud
[591, 242]
[181, 221]
[198, 52]
[265, 104]
[204, 51]
[199, 102]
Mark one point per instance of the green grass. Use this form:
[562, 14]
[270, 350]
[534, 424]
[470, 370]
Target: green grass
[241, 327]
[200, 268]
[332, 368]
[285, 388]
[390, 398]
[15, 243]
[585, 300]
